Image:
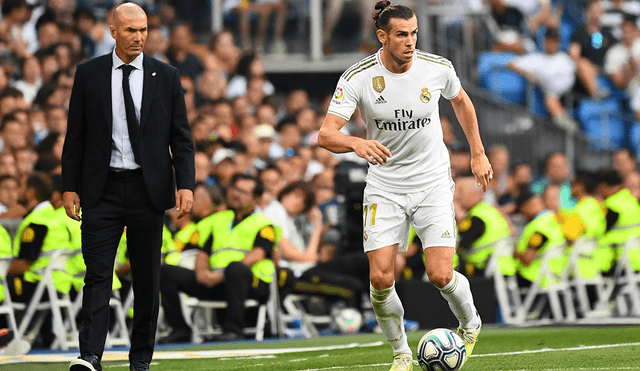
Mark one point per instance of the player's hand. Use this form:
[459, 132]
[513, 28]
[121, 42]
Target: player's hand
[372, 151]
[482, 170]
[71, 203]
[184, 201]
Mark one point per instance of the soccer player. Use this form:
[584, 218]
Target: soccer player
[409, 177]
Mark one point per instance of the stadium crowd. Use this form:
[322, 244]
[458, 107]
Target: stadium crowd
[256, 150]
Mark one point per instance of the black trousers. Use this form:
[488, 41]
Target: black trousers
[123, 203]
[345, 277]
[239, 284]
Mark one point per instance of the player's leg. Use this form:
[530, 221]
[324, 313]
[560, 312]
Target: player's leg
[386, 226]
[387, 305]
[454, 287]
[434, 222]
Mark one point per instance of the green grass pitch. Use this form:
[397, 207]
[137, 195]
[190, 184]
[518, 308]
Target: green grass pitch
[508, 349]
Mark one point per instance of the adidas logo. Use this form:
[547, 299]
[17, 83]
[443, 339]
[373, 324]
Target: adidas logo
[380, 100]
[446, 234]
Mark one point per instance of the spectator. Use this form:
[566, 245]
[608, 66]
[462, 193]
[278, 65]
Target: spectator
[624, 163]
[250, 65]
[202, 166]
[31, 80]
[8, 165]
[554, 72]
[296, 100]
[499, 159]
[520, 178]
[550, 197]
[10, 208]
[614, 13]
[509, 26]
[156, 45]
[14, 134]
[56, 119]
[622, 59]
[265, 137]
[556, 172]
[587, 48]
[222, 273]
[48, 33]
[224, 167]
[263, 8]
[26, 159]
[179, 52]
[15, 13]
[85, 22]
[222, 55]
[460, 160]
[211, 87]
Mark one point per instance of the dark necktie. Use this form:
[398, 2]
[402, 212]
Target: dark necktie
[132, 120]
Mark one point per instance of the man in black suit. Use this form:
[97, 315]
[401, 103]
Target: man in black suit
[128, 142]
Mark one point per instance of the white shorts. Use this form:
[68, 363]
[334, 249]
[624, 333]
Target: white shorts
[387, 217]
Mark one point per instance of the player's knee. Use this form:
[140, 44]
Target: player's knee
[380, 280]
[440, 278]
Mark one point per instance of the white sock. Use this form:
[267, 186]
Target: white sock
[458, 293]
[390, 315]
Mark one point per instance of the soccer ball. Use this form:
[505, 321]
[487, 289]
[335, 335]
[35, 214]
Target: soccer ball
[441, 350]
[348, 320]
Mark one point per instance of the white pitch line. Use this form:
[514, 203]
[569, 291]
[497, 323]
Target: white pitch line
[581, 347]
[184, 354]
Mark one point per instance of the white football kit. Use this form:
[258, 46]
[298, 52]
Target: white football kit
[401, 112]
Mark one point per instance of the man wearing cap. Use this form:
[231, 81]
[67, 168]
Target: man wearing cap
[541, 234]
[223, 166]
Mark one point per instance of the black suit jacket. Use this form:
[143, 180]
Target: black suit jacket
[166, 144]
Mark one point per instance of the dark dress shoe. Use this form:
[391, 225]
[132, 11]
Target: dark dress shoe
[138, 366]
[176, 337]
[86, 362]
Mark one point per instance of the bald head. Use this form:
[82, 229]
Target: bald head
[129, 29]
[127, 10]
[468, 193]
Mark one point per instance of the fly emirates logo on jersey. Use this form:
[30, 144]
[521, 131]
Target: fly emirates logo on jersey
[404, 121]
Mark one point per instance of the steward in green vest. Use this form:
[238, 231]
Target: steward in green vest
[584, 225]
[235, 263]
[6, 253]
[207, 199]
[623, 220]
[40, 236]
[542, 234]
[482, 229]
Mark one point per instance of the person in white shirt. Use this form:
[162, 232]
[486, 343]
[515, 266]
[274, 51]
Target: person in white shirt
[554, 72]
[409, 178]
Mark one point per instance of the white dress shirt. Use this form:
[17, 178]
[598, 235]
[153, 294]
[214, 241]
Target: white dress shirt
[121, 152]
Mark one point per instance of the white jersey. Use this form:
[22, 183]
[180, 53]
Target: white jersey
[401, 112]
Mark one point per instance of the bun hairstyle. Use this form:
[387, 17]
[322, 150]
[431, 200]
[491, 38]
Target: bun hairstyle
[384, 11]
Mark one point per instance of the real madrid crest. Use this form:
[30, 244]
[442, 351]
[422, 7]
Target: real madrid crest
[425, 96]
[378, 84]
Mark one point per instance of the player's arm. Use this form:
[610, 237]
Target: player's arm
[330, 138]
[466, 115]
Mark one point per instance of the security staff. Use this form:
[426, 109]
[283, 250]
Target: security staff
[234, 262]
[39, 236]
[481, 230]
[542, 233]
[623, 221]
[584, 224]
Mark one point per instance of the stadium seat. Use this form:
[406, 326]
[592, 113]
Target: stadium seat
[602, 123]
[549, 289]
[599, 309]
[66, 333]
[6, 306]
[506, 85]
[201, 314]
[506, 287]
[627, 279]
